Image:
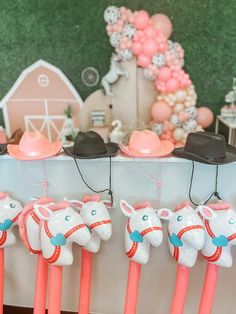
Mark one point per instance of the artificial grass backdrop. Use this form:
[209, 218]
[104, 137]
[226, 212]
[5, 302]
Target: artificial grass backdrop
[71, 34]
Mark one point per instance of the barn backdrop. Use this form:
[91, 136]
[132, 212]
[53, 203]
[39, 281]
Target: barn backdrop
[71, 35]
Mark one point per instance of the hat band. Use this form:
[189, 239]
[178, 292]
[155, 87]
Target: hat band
[90, 154]
[144, 151]
[33, 154]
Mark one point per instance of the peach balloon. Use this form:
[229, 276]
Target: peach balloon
[161, 111]
[205, 117]
[163, 23]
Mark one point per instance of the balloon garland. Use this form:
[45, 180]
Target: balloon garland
[136, 34]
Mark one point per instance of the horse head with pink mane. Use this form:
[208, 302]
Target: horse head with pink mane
[220, 234]
[9, 214]
[61, 227]
[143, 229]
[29, 225]
[185, 231]
[95, 214]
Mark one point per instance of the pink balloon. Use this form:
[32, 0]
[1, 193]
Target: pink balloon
[205, 117]
[163, 23]
[183, 116]
[172, 85]
[162, 47]
[141, 19]
[143, 61]
[150, 47]
[161, 111]
[137, 48]
[164, 74]
[150, 32]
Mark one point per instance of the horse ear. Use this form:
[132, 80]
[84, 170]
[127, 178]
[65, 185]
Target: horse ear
[206, 212]
[107, 203]
[126, 208]
[43, 212]
[164, 213]
[75, 203]
[3, 195]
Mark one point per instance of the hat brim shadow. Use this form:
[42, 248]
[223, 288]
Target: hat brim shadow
[16, 153]
[230, 156]
[3, 149]
[111, 151]
[166, 148]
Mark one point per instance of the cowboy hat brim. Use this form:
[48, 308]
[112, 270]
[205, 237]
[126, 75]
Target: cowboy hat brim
[111, 151]
[3, 149]
[230, 156]
[16, 153]
[166, 147]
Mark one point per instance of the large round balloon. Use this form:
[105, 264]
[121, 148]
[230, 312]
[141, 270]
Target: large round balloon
[161, 111]
[205, 117]
[162, 23]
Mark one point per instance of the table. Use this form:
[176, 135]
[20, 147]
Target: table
[230, 123]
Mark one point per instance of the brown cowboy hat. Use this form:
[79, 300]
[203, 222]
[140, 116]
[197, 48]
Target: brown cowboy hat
[90, 145]
[208, 148]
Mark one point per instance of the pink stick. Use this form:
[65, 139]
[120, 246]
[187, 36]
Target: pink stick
[55, 284]
[181, 286]
[209, 288]
[1, 279]
[85, 282]
[41, 286]
[132, 288]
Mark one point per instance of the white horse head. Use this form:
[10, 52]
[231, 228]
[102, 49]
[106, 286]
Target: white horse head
[61, 227]
[9, 214]
[143, 229]
[97, 218]
[185, 232]
[220, 234]
[29, 225]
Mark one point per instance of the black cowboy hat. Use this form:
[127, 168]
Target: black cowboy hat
[90, 145]
[3, 148]
[207, 148]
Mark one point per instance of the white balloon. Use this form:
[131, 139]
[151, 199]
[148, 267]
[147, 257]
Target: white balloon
[190, 125]
[129, 31]
[178, 134]
[126, 54]
[175, 120]
[181, 95]
[115, 39]
[178, 108]
[192, 112]
[159, 60]
[148, 76]
[111, 15]
[157, 127]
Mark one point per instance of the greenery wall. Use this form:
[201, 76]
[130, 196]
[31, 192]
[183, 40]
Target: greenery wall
[71, 34]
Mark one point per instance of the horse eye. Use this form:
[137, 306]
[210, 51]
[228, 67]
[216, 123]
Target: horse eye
[67, 218]
[93, 212]
[179, 218]
[231, 221]
[12, 205]
[145, 217]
